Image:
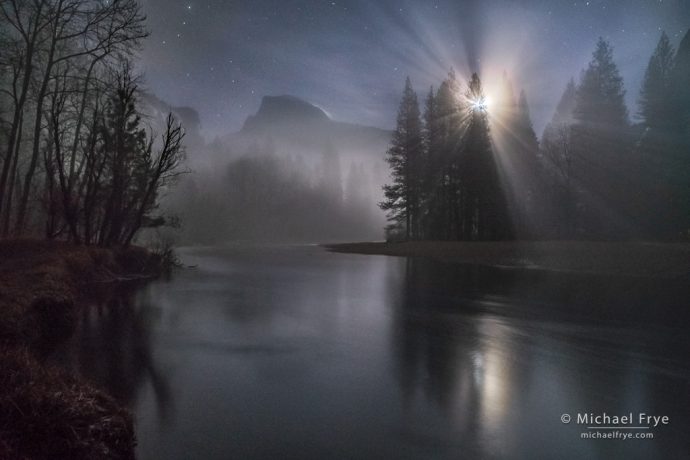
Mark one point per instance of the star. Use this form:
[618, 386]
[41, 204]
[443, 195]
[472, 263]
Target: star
[297, 47]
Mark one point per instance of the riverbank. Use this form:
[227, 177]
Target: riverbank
[44, 412]
[593, 257]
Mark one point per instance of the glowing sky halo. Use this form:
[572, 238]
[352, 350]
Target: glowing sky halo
[480, 104]
[473, 102]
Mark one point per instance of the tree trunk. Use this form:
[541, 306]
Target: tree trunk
[15, 129]
[24, 199]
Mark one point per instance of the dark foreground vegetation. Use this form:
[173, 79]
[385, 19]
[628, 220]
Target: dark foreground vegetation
[605, 258]
[44, 412]
[81, 167]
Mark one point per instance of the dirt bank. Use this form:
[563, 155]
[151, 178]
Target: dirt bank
[44, 412]
[610, 258]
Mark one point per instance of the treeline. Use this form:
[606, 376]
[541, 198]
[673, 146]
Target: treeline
[446, 182]
[76, 161]
[264, 195]
[616, 179]
[467, 170]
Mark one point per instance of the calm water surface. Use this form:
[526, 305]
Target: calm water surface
[293, 352]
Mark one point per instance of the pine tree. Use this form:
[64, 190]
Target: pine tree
[452, 111]
[430, 119]
[524, 125]
[601, 141]
[402, 197]
[601, 96]
[443, 119]
[430, 150]
[680, 155]
[680, 81]
[529, 202]
[517, 146]
[557, 154]
[132, 172]
[657, 144]
[655, 96]
[564, 114]
[485, 214]
[124, 138]
[566, 104]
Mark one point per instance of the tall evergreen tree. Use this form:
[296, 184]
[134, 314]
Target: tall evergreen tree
[529, 202]
[124, 140]
[134, 169]
[485, 214]
[524, 125]
[655, 95]
[566, 107]
[453, 111]
[430, 146]
[601, 146]
[601, 96]
[557, 155]
[516, 145]
[680, 157]
[507, 143]
[403, 196]
[681, 87]
[445, 122]
[657, 144]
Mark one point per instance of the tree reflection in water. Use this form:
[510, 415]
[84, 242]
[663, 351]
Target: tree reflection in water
[111, 347]
[440, 354]
[500, 352]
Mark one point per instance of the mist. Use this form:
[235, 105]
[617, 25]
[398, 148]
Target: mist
[291, 174]
[348, 63]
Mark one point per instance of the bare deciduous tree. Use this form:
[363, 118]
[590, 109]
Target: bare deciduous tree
[68, 164]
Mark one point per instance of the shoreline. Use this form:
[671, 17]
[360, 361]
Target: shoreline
[46, 412]
[636, 259]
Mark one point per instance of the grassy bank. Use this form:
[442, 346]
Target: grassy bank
[45, 413]
[610, 258]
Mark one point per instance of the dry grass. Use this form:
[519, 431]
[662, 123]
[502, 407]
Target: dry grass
[40, 282]
[45, 413]
[610, 258]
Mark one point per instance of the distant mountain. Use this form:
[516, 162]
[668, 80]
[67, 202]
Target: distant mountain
[156, 111]
[290, 174]
[296, 126]
[281, 110]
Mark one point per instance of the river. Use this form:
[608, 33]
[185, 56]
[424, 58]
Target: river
[292, 352]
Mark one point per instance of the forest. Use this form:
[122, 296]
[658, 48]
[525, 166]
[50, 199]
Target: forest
[471, 168]
[77, 160]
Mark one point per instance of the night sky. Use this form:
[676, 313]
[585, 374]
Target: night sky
[351, 57]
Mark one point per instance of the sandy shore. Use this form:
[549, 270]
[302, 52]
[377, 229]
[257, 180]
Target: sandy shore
[610, 258]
